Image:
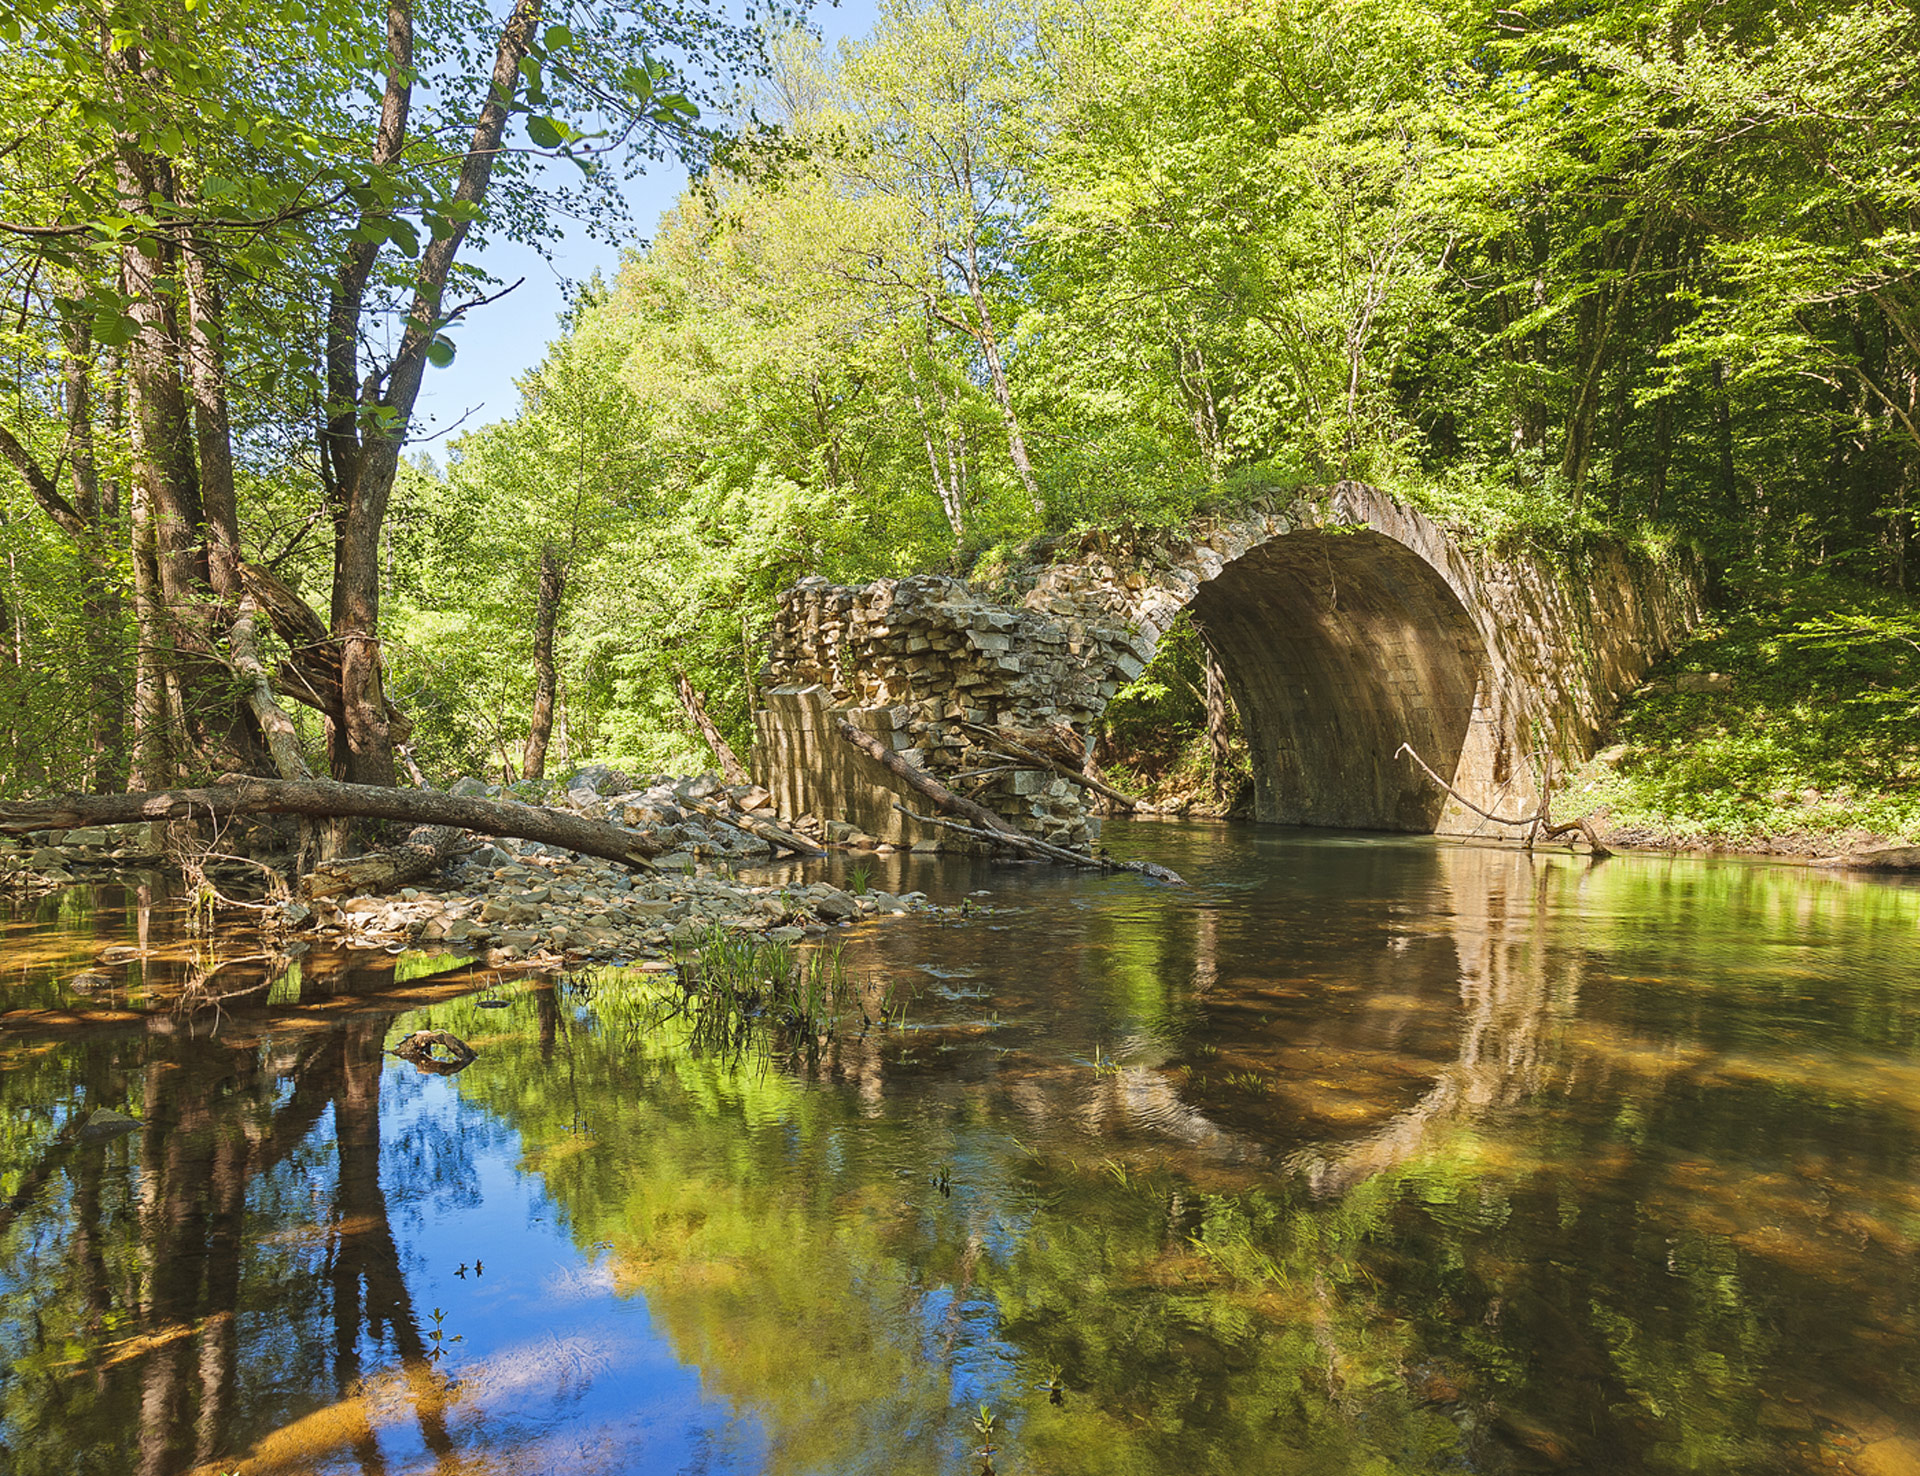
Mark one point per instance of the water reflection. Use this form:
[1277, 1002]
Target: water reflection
[1357, 1156]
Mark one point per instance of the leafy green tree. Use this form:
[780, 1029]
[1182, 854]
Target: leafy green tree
[181, 177]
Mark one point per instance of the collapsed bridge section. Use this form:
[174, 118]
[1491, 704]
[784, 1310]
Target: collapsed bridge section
[1345, 624]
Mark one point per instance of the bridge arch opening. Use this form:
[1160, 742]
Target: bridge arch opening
[1338, 647]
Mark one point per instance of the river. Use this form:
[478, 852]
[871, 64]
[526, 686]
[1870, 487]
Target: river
[1358, 1155]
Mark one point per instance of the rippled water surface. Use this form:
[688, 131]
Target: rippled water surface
[1358, 1155]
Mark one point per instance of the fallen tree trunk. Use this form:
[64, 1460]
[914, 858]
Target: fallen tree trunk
[924, 784]
[423, 852]
[283, 739]
[1052, 852]
[773, 835]
[1019, 750]
[987, 825]
[696, 707]
[326, 798]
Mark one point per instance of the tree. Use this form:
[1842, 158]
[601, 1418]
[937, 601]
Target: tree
[177, 180]
[526, 503]
[942, 96]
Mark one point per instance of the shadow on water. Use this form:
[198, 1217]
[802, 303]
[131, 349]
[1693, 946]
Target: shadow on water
[1358, 1155]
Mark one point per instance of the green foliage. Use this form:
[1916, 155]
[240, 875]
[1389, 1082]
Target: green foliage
[1814, 742]
[1589, 275]
[1154, 734]
[57, 712]
[1000, 270]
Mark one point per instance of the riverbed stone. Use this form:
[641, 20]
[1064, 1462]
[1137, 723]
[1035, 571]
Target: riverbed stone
[835, 906]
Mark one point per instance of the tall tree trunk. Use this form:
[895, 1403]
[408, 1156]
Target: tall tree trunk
[948, 490]
[1196, 388]
[218, 733]
[1724, 482]
[1606, 304]
[1219, 739]
[829, 437]
[96, 500]
[546, 616]
[151, 766]
[12, 699]
[361, 470]
[213, 434]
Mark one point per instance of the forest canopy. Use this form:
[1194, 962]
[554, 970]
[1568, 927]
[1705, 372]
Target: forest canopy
[997, 271]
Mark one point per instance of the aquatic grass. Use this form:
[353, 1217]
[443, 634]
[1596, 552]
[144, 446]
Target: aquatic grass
[438, 1338]
[860, 878]
[737, 988]
[987, 1424]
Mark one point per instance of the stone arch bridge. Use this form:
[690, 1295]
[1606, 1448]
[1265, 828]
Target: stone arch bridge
[1345, 624]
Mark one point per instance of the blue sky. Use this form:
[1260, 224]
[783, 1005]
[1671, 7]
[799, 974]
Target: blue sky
[509, 337]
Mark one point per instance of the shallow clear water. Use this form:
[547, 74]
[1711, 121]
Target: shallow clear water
[1358, 1155]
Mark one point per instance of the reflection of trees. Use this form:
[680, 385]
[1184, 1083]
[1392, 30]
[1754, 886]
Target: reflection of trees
[130, 1263]
[1525, 1263]
[808, 1262]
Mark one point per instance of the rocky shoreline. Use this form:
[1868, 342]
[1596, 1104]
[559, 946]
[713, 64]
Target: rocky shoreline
[511, 903]
[522, 904]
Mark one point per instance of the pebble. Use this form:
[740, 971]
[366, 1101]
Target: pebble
[517, 900]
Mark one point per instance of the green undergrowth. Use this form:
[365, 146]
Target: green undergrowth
[1809, 745]
[738, 990]
[1153, 742]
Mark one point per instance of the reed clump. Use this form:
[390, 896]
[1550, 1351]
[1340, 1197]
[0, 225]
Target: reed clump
[737, 989]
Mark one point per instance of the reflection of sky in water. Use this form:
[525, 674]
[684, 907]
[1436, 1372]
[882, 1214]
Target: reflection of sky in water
[555, 1367]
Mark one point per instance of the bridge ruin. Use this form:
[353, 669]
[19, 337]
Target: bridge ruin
[1345, 623]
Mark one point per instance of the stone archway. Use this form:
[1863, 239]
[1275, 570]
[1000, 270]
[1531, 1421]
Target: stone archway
[1346, 625]
[1338, 648]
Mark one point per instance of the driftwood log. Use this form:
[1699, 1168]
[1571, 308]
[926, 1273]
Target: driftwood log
[425, 850]
[986, 824]
[1055, 853]
[1540, 824]
[326, 798]
[420, 1046]
[924, 784]
[1018, 750]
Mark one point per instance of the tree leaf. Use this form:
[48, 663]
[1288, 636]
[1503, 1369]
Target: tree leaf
[440, 352]
[403, 235]
[545, 133]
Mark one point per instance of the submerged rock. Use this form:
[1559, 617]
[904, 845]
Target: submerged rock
[104, 1122]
